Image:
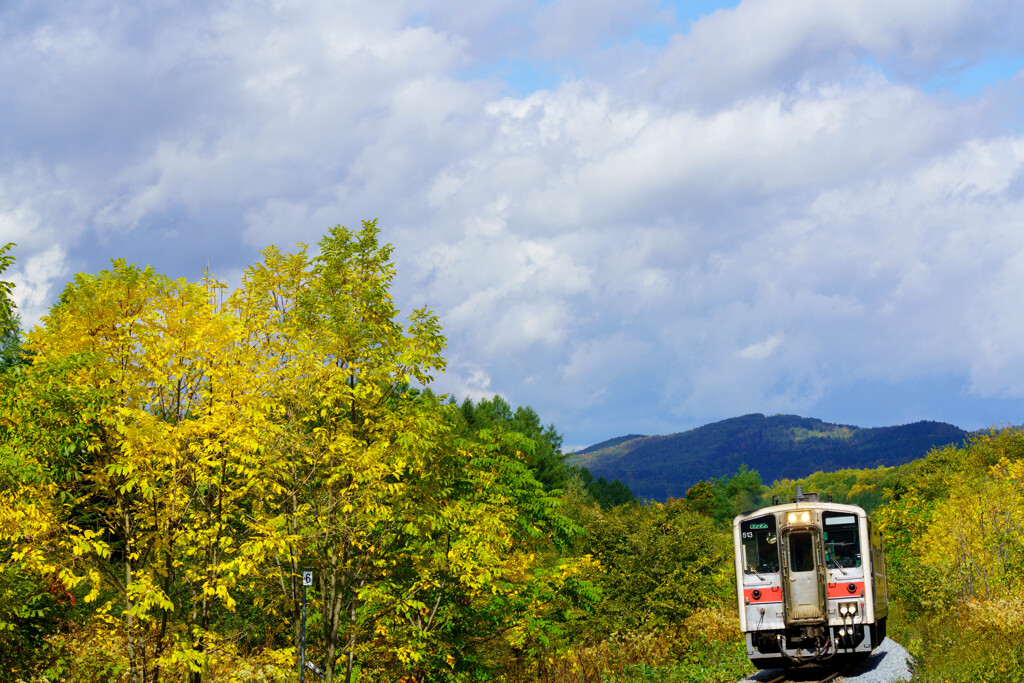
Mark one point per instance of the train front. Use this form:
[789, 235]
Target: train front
[811, 582]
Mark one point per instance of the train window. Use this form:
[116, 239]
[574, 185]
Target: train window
[760, 546]
[842, 540]
[801, 552]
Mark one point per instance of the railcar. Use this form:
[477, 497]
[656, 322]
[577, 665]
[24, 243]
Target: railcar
[810, 579]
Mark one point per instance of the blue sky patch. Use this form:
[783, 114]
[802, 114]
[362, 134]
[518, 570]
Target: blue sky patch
[971, 80]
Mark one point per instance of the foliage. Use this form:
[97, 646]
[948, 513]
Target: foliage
[10, 335]
[343, 502]
[975, 539]
[706, 647]
[727, 496]
[546, 460]
[865, 488]
[954, 531]
[173, 456]
[168, 453]
[41, 432]
[953, 524]
[661, 562]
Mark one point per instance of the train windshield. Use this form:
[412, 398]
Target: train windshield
[842, 539]
[760, 545]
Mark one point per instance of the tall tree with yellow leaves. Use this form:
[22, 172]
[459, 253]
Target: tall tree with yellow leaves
[151, 495]
[411, 533]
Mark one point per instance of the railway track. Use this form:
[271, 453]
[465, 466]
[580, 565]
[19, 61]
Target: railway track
[806, 676]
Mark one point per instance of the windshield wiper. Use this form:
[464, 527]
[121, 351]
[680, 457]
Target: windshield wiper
[838, 566]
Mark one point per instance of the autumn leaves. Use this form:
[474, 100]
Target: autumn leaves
[178, 454]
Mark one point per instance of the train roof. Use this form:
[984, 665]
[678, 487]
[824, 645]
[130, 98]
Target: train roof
[801, 505]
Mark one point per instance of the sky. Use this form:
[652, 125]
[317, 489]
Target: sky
[635, 216]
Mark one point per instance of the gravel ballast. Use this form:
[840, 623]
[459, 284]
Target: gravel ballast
[889, 663]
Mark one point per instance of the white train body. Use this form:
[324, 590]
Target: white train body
[810, 579]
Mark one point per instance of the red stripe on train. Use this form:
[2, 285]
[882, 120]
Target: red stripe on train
[842, 589]
[766, 594]
[774, 593]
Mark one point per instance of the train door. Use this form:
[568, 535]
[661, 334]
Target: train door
[803, 576]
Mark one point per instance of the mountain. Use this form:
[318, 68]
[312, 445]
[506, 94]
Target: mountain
[778, 447]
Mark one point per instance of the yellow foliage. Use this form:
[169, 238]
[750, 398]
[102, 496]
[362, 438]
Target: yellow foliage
[976, 537]
[180, 454]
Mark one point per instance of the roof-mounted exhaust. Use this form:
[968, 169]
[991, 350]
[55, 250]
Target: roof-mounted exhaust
[802, 497]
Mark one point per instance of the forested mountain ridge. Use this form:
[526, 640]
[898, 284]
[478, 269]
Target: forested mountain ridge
[610, 443]
[779, 446]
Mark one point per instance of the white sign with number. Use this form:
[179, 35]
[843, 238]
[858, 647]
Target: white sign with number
[307, 578]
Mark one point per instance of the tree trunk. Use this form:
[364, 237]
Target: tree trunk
[138, 672]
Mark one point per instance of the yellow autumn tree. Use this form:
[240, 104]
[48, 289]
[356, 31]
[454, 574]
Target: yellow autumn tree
[150, 490]
[976, 538]
[407, 530]
[177, 456]
[351, 432]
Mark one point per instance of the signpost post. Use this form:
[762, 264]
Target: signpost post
[307, 580]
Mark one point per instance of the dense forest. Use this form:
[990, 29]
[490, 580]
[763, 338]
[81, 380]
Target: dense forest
[174, 455]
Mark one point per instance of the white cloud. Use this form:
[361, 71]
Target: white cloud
[464, 380]
[506, 293]
[765, 45]
[766, 208]
[41, 216]
[568, 27]
[34, 283]
[762, 349]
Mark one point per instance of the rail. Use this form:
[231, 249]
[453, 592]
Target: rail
[785, 677]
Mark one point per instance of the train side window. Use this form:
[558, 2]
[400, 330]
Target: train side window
[760, 545]
[842, 539]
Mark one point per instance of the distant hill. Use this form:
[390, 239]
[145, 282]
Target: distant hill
[610, 442]
[778, 447]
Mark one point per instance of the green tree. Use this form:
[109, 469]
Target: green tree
[10, 334]
[354, 441]
[725, 497]
[43, 427]
[546, 461]
[607, 494]
[660, 563]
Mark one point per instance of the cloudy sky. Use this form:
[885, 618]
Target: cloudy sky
[633, 215]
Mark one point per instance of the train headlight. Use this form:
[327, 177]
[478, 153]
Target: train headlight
[805, 517]
[791, 518]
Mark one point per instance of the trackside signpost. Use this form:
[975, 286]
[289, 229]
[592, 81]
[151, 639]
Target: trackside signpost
[307, 580]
